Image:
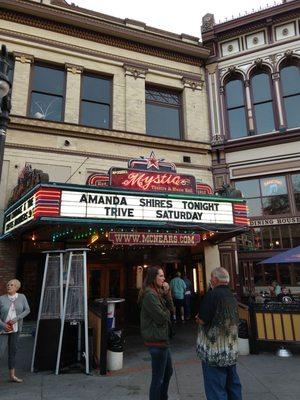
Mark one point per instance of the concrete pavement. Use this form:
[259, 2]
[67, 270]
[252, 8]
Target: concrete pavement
[264, 376]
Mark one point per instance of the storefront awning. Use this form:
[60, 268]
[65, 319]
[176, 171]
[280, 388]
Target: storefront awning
[286, 257]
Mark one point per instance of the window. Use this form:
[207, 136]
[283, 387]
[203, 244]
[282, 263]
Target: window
[290, 81]
[262, 102]
[265, 196]
[96, 96]
[163, 113]
[47, 93]
[296, 189]
[236, 110]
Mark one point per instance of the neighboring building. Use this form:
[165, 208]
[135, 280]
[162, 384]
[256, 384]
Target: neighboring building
[91, 92]
[253, 80]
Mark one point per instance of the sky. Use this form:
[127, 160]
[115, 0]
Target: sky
[179, 16]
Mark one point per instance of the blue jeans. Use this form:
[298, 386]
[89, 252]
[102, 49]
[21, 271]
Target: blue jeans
[162, 371]
[221, 383]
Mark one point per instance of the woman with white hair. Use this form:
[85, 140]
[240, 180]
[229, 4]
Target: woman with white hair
[13, 308]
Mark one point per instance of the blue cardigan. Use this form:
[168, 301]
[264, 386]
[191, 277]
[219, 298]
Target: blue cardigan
[21, 306]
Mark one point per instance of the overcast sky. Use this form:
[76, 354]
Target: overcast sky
[179, 16]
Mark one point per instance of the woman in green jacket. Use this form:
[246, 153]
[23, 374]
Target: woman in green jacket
[156, 329]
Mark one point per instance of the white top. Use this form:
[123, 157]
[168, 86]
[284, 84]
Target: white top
[12, 312]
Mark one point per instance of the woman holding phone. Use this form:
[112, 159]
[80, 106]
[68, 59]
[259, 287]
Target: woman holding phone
[156, 305]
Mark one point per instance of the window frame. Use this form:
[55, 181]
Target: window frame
[287, 63]
[255, 72]
[31, 90]
[172, 106]
[97, 76]
[229, 79]
[261, 197]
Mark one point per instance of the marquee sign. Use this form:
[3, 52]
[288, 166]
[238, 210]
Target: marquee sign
[152, 181]
[153, 239]
[143, 208]
[74, 202]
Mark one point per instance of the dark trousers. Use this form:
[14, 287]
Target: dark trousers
[162, 371]
[10, 341]
[187, 306]
[221, 383]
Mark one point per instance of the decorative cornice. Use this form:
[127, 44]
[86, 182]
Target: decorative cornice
[74, 69]
[257, 141]
[73, 28]
[90, 52]
[192, 83]
[135, 71]
[106, 135]
[23, 58]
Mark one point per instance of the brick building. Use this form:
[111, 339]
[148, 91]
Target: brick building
[91, 92]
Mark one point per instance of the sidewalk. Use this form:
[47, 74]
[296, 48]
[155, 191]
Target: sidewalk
[264, 376]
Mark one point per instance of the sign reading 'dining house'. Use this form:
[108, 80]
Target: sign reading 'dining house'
[143, 208]
[154, 239]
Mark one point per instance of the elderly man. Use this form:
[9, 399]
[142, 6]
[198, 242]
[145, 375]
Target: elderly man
[217, 339]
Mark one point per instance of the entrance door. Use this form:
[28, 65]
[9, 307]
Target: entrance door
[247, 277]
[106, 280]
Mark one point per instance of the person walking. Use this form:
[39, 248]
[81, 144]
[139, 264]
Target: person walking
[217, 341]
[13, 308]
[156, 304]
[178, 288]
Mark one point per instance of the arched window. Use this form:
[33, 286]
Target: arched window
[236, 110]
[290, 82]
[262, 102]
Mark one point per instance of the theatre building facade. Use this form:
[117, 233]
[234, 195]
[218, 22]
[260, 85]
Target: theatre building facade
[108, 148]
[253, 79]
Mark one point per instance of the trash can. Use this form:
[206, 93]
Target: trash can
[115, 349]
[243, 338]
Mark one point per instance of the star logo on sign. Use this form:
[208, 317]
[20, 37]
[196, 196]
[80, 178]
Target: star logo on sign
[152, 161]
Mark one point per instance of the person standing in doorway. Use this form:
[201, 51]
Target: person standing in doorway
[187, 298]
[178, 288]
[13, 308]
[217, 341]
[156, 303]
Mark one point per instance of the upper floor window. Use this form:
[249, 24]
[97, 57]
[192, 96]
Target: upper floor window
[95, 107]
[262, 102]
[290, 82]
[47, 93]
[163, 113]
[236, 110]
[296, 190]
[265, 196]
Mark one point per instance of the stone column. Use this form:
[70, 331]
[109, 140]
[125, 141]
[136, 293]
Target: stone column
[195, 115]
[73, 85]
[278, 101]
[21, 83]
[135, 113]
[214, 109]
[212, 259]
[249, 106]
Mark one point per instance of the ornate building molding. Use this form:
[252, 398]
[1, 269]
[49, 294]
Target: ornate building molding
[74, 69]
[135, 71]
[23, 58]
[192, 83]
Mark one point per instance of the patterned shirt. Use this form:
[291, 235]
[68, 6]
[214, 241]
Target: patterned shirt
[217, 338]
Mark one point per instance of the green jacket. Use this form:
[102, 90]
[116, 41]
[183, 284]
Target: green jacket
[155, 317]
